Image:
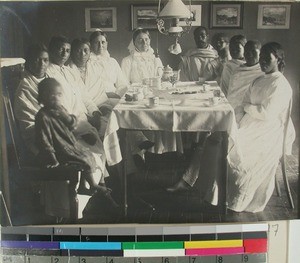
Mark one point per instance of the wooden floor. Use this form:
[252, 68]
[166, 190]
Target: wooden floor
[188, 207]
[148, 191]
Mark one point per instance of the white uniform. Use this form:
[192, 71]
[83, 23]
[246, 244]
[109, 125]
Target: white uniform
[259, 140]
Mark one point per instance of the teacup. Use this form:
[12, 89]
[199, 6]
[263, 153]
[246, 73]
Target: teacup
[146, 81]
[137, 96]
[153, 101]
[217, 93]
[214, 100]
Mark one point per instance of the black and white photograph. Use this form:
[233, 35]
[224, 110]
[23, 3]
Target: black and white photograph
[106, 118]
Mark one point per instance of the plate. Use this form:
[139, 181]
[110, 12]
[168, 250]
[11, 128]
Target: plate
[186, 92]
[211, 82]
[184, 84]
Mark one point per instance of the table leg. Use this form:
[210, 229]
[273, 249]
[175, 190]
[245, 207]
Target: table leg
[219, 144]
[124, 173]
[225, 173]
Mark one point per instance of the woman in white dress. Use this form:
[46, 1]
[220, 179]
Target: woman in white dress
[88, 71]
[104, 81]
[236, 49]
[91, 73]
[25, 104]
[260, 135]
[243, 76]
[141, 64]
[115, 82]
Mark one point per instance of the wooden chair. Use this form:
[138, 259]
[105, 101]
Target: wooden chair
[283, 162]
[5, 209]
[69, 174]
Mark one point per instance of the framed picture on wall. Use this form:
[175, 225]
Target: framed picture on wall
[273, 16]
[104, 18]
[144, 16]
[196, 16]
[228, 15]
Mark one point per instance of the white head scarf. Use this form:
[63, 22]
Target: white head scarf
[104, 54]
[134, 51]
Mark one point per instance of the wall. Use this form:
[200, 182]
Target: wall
[45, 19]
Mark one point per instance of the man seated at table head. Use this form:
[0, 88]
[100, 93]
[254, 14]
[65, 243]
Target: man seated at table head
[244, 75]
[195, 60]
[236, 48]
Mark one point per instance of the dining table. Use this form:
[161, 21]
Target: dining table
[181, 107]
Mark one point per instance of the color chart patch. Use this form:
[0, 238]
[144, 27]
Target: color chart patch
[165, 244]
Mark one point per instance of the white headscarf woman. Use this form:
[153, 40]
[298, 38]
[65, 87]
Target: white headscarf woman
[141, 63]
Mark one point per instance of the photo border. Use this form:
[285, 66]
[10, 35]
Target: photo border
[116, 225]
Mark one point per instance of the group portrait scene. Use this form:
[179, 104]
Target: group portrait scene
[72, 84]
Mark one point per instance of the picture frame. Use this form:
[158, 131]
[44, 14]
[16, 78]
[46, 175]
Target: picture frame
[273, 16]
[226, 15]
[104, 18]
[144, 16]
[197, 14]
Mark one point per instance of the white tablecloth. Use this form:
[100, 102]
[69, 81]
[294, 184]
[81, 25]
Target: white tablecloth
[175, 112]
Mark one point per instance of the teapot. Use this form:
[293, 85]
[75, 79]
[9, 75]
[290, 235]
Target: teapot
[167, 73]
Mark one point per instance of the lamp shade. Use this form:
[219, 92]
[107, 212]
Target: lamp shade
[175, 9]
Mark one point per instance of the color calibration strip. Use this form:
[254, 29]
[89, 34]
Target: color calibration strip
[192, 244]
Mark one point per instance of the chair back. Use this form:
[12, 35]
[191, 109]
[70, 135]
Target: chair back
[12, 125]
[69, 174]
[285, 127]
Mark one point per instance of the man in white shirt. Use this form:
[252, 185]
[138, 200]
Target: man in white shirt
[195, 60]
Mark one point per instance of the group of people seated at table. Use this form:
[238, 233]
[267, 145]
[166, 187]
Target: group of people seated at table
[251, 77]
[69, 89]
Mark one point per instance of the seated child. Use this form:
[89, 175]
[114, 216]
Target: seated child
[56, 141]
